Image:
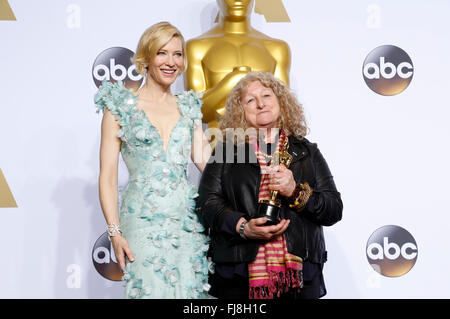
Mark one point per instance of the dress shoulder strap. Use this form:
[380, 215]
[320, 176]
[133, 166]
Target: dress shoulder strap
[119, 100]
[190, 104]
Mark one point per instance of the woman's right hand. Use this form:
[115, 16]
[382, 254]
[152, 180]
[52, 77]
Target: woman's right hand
[256, 229]
[121, 249]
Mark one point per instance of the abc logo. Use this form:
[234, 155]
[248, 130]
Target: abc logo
[114, 64]
[104, 259]
[388, 70]
[391, 251]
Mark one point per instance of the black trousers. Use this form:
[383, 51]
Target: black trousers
[238, 288]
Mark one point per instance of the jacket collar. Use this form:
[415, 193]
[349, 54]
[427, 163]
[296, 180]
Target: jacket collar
[297, 149]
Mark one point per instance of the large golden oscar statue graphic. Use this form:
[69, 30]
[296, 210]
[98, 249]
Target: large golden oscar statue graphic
[219, 58]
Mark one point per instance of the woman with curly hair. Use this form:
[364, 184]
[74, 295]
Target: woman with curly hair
[265, 195]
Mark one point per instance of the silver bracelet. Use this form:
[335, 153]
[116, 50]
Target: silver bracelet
[112, 230]
[241, 229]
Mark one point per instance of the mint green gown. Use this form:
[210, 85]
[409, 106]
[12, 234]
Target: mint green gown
[157, 207]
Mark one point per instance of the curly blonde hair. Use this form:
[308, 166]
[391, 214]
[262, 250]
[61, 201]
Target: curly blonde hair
[292, 118]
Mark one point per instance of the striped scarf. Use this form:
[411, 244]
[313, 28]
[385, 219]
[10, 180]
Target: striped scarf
[274, 270]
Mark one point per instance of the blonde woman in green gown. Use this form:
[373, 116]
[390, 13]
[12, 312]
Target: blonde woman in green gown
[157, 238]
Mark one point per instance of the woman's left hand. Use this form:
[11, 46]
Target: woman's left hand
[281, 180]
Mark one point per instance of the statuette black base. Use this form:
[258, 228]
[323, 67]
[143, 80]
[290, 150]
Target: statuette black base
[272, 213]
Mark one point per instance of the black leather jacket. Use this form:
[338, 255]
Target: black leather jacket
[233, 187]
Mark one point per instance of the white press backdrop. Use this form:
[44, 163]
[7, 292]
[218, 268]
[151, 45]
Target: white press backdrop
[389, 154]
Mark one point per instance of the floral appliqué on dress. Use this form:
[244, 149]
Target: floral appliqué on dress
[157, 207]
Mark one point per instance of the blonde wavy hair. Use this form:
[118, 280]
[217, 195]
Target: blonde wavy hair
[292, 118]
[153, 39]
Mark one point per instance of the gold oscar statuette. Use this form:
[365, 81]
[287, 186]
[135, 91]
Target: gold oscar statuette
[271, 208]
